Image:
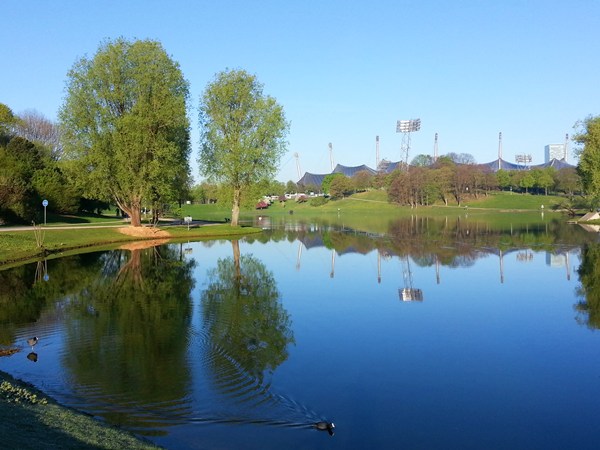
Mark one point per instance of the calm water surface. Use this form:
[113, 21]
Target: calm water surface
[419, 334]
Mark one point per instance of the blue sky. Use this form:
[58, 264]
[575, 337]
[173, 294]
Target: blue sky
[344, 71]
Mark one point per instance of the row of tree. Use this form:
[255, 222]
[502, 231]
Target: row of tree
[124, 136]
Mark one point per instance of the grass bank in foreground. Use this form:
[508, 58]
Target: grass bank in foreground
[29, 419]
[17, 247]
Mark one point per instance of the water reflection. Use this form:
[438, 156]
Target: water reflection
[23, 296]
[437, 243]
[133, 321]
[589, 291]
[148, 338]
[248, 333]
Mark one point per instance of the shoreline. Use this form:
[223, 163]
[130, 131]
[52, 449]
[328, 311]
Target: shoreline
[31, 419]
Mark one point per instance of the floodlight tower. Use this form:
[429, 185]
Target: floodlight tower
[406, 127]
[523, 159]
[331, 155]
[297, 156]
[377, 151]
[566, 147]
[435, 148]
[500, 150]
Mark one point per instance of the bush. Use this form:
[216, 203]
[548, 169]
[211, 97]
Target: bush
[318, 201]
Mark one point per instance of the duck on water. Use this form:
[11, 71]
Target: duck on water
[325, 426]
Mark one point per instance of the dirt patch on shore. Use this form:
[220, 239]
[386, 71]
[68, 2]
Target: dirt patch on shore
[145, 232]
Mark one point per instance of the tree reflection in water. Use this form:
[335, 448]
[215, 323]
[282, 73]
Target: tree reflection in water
[127, 341]
[589, 276]
[248, 332]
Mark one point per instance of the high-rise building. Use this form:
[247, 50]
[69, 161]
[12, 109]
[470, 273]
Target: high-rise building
[554, 151]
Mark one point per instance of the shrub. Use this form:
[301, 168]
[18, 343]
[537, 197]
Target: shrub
[318, 201]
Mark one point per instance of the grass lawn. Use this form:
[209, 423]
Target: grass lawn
[514, 201]
[19, 246]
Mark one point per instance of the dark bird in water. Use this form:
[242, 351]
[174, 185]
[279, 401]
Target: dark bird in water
[32, 341]
[325, 426]
[32, 357]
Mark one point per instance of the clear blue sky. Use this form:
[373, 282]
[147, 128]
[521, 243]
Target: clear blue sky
[344, 71]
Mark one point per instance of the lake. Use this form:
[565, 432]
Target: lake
[413, 333]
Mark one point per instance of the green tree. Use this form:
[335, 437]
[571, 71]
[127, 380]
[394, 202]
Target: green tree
[339, 186]
[568, 181]
[422, 160]
[7, 122]
[544, 179]
[243, 134]
[526, 181]
[327, 180]
[589, 156]
[291, 187]
[504, 179]
[124, 124]
[19, 161]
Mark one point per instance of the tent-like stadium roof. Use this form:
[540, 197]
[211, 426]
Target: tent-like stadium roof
[312, 179]
[351, 171]
[385, 166]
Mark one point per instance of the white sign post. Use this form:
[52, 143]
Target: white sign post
[44, 204]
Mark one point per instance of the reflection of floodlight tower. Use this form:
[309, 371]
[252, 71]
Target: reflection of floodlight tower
[523, 160]
[409, 294]
[299, 256]
[406, 127]
[297, 156]
[331, 155]
[332, 273]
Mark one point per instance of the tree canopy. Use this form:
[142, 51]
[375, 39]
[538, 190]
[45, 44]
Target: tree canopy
[243, 133]
[125, 128]
[589, 156]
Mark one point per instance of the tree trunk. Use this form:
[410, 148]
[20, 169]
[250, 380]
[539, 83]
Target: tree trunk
[235, 210]
[136, 218]
[133, 210]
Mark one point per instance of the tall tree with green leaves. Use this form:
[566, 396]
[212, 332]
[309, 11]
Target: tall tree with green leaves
[243, 134]
[588, 136]
[125, 126]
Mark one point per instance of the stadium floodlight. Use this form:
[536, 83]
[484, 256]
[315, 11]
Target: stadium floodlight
[523, 159]
[408, 126]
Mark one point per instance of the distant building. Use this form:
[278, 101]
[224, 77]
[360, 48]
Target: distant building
[554, 151]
